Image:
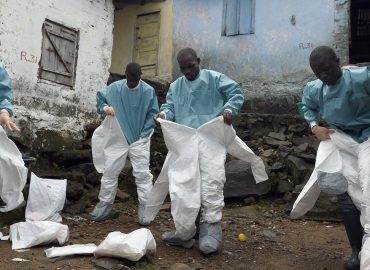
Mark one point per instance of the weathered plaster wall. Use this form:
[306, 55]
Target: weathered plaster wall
[271, 64]
[47, 106]
[341, 31]
[124, 36]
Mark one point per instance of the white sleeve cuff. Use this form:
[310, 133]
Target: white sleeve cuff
[165, 116]
[312, 124]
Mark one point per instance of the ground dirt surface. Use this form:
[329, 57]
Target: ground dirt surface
[273, 242]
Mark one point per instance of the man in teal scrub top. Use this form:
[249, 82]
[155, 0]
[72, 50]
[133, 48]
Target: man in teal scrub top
[192, 100]
[6, 95]
[342, 98]
[134, 104]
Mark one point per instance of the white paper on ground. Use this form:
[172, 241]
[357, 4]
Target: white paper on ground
[20, 260]
[33, 233]
[132, 246]
[77, 249]
[46, 199]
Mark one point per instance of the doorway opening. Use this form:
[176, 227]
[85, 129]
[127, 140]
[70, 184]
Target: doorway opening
[359, 49]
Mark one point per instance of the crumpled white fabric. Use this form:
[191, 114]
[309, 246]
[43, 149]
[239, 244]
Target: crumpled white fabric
[78, 249]
[110, 150]
[46, 199]
[13, 173]
[33, 233]
[337, 155]
[180, 174]
[341, 154]
[132, 246]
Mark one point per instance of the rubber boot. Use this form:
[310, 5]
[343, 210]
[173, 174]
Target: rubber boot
[170, 238]
[210, 237]
[103, 211]
[354, 230]
[140, 215]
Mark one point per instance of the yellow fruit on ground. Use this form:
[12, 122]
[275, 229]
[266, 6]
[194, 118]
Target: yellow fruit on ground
[242, 237]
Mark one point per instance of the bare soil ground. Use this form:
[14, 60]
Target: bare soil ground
[273, 242]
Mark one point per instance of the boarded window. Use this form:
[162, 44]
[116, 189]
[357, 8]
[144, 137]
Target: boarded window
[59, 53]
[238, 17]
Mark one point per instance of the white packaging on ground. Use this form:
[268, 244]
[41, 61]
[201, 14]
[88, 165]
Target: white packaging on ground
[13, 173]
[46, 199]
[33, 233]
[70, 250]
[132, 246]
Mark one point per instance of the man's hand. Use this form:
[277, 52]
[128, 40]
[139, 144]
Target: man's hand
[228, 117]
[322, 133]
[5, 119]
[109, 111]
[159, 115]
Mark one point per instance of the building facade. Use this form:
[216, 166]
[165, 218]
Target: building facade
[58, 54]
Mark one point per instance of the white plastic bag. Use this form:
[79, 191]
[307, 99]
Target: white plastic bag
[13, 173]
[33, 233]
[70, 250]
[132, 246]
[46, 199]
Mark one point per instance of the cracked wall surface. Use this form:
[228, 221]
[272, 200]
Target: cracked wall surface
[272, 64]
[46, 105]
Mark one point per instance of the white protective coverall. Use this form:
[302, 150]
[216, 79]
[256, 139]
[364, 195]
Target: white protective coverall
[341, 155]
[110, 150]
[13, 173]
[194, 172]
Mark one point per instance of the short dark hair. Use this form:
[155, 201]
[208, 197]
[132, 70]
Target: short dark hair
[322, 52]
[133, 69]
[185, 52]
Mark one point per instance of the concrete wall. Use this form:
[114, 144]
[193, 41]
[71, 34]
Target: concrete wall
[47, 106]
[124, 37]
[271, 64]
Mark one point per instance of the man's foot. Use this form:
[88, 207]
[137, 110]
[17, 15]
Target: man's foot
[353, 262]
[103, 211]
[210, 237]
[171, 239]
[140, 215]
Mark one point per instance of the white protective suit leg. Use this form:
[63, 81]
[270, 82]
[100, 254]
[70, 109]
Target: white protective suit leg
[364, 175]
[212, 175]
[13, 173]
[109, 149]
[114, 164]
[139, 154]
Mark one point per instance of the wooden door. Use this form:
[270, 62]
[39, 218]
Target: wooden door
[146, 43]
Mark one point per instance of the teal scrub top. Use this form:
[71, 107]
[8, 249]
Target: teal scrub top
[134, 107]
[344, 105]
[193, 103]
[6, 93]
